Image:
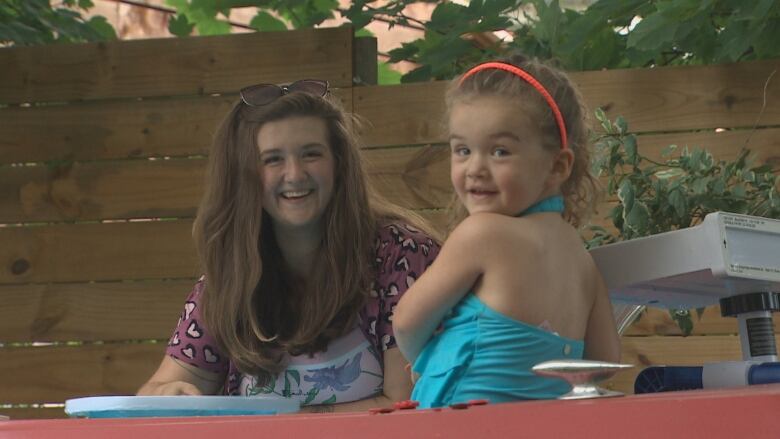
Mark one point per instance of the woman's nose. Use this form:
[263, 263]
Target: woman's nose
[293, 170]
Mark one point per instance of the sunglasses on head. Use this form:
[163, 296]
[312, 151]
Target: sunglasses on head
[263, 94]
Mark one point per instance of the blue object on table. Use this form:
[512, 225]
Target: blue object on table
[176, 406]
[668, 378]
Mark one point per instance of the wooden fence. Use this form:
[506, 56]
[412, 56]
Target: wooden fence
[102, 153]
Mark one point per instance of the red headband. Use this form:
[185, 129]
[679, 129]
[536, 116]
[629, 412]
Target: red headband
[529, 79]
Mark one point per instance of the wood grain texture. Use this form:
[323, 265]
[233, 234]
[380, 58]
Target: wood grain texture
[102, 190]
[173, 66]
[54, 374]
[103, 311]
[656, 321]
[416, 177]
[651, 100]
[33, 413]
[117, 129]
[97, 252]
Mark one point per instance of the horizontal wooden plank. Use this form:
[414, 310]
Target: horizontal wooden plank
[414, 177]
[651, 100]
[656, 321]
[173, 66]
[33, 413]
[97, 252]
[102, 311]
[99, 130]
[54, 374]
[672, 351]
[101, 190]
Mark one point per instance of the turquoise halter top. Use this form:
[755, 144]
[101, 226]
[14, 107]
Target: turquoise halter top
[549, 204]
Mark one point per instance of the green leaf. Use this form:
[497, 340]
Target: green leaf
[331, 400]
[264, 21]
[180, 26]
[629, 145]
[683, 319]
[653, 32]
[638, 219]
[386, 74]
[626, 195]
[667, 151]
[679, 202]
[621, 125]
[102, 27]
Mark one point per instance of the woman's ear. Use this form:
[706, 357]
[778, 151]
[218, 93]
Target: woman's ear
[562, 165]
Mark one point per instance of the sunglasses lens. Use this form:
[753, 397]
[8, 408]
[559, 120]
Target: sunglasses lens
[262, 94]
[311, 86]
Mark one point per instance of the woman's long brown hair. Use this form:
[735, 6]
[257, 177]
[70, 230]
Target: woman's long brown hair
[252, 304]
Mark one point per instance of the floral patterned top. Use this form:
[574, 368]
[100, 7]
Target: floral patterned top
[351, 368]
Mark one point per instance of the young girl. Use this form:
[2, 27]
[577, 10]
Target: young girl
[513, 285]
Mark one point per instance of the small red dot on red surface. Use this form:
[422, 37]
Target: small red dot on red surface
[477, 402]
[459, 406]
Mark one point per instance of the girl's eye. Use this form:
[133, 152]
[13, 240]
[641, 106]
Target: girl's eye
[461, 151]
[500, 152]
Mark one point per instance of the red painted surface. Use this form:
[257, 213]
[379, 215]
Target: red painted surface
[750, 412]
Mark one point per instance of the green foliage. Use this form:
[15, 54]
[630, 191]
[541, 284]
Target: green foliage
[31, 22]
[608, 34]
[210, 17]
[676, 192]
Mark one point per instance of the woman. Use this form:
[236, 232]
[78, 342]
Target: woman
[303, 263]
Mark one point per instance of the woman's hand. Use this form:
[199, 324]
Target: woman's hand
[176, 378]
[153, 388]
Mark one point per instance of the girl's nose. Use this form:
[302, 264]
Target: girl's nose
[475, 167]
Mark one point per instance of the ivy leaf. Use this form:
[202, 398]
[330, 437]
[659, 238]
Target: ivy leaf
[621, 125]
[683, 319]
[264, 21]
[638, 218]
[180, 26]
[629, 145]
[626, 195]
[679, 202]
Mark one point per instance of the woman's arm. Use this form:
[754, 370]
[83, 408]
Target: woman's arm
[174, 377]
[447, 280]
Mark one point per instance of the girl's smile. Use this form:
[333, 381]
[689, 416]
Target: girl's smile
[498, 162]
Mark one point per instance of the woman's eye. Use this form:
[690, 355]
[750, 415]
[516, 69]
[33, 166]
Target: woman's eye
[312, 154]
[271, 160]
